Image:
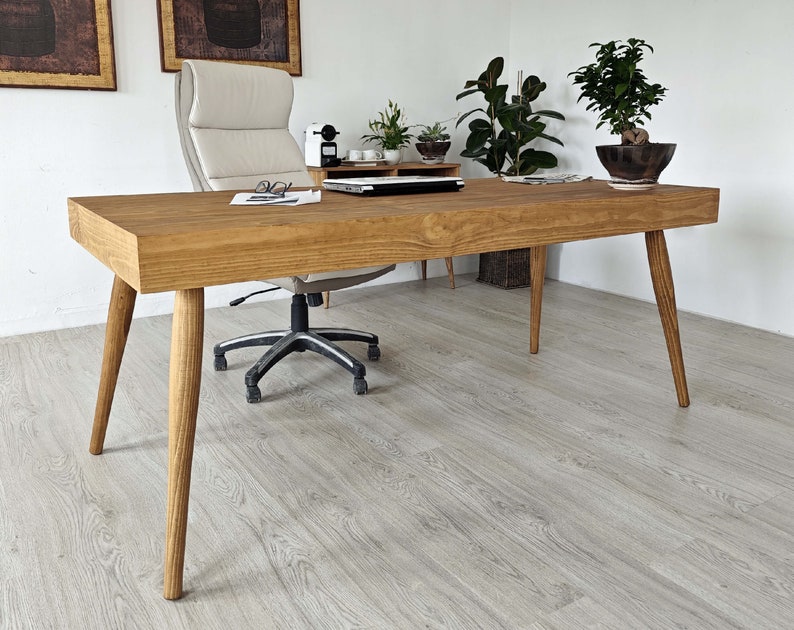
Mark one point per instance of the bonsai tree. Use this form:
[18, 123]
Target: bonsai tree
[389, 129]
[498, 139]
[618, 90]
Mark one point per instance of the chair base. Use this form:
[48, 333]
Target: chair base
[299, 338]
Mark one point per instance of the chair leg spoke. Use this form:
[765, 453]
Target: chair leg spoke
[300, 338]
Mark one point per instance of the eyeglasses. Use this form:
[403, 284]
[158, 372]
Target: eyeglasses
[276, 189]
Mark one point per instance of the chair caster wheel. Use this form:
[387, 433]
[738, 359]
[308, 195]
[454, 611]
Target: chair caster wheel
[253, 394]
[373, 352]
[359, 386]
[220, 363]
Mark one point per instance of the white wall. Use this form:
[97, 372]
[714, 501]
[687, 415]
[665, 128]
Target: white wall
[727, 66]
[56, 144]
[728, 109]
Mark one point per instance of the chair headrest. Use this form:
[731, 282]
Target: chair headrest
[262, 97]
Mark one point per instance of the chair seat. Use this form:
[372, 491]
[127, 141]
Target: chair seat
[330, 281]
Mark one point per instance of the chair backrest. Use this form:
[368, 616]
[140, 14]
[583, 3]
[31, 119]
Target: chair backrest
[233, 126]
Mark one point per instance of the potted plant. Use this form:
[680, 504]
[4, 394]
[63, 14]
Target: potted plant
[391, 132]
[622, 96]
[433, 143]
[499, 139]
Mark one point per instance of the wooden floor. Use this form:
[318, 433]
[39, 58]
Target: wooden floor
[475, 486]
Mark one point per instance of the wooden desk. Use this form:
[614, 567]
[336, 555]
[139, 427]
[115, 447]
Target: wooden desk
[320, 173]
[184, 242]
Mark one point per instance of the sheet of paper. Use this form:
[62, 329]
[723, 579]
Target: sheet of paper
[548, 178]
[298, 198]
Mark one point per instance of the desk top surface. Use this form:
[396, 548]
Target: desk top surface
[159, 242]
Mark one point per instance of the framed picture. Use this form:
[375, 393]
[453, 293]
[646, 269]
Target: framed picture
[261, 32]
[57, 44]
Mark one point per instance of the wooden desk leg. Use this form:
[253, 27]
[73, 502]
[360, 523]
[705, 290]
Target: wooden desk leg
[662, 278]
[326, 299]
[537, 275]
[122, 303]
[450, 272]
[187, 342]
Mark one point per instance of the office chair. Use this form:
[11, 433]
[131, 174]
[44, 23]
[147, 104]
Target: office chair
[232, 121]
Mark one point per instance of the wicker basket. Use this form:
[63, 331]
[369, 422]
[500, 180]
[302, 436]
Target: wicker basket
[507, 269]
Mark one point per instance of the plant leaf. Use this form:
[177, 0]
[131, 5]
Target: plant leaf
[477, 139]
[466, 93]
[496, 94]
[478, 124]
[495, 68]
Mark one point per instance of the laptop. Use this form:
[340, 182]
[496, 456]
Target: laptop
[394, 185]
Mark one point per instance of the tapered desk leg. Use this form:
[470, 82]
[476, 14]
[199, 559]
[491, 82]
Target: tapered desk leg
[450, 272]
[187, 341]
[537, 275]
[122, 303]
[662, 278]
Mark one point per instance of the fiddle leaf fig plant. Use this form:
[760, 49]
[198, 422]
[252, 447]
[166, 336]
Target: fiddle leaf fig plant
[618, 90]
[500, 135]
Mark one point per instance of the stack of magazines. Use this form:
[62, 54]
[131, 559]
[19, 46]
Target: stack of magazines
[549, 178]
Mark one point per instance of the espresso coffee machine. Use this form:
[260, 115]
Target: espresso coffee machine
[320, 145]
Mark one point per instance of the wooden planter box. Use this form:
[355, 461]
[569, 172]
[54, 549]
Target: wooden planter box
[507, 269]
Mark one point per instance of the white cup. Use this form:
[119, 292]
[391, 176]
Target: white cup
[372, 154]
[354, 155]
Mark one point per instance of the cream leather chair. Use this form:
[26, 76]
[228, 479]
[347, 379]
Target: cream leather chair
[232, 121]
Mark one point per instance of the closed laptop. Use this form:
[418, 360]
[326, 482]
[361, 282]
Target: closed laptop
[394, 185]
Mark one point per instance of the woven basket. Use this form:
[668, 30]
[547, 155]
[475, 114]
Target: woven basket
[507, 269]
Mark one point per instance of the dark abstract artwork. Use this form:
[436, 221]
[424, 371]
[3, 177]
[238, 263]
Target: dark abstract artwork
[57, 43]
[263, 32]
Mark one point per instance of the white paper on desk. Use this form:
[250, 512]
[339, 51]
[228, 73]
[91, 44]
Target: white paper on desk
[298, 198]
[547, 178]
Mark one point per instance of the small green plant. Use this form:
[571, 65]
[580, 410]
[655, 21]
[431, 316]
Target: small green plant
[432, 133]
[499, 139]
[618, 90]
[389, 130]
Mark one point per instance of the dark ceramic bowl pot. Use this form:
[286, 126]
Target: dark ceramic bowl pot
[433, 152]
[640, 164]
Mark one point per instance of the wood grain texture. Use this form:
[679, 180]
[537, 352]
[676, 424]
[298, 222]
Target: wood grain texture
[537, 269]
[184, 384]
[662, 279]
[474, 486]
[175, 241]
[320, 174]
[122, 304]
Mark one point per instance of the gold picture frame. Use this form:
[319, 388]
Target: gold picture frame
[259, 32]
[57, 44]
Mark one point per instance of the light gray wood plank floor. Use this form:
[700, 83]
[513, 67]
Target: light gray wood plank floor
[475, 486]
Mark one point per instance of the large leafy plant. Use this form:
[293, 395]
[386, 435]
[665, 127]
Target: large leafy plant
[499, 138]
[389, 130]
[618, 90]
